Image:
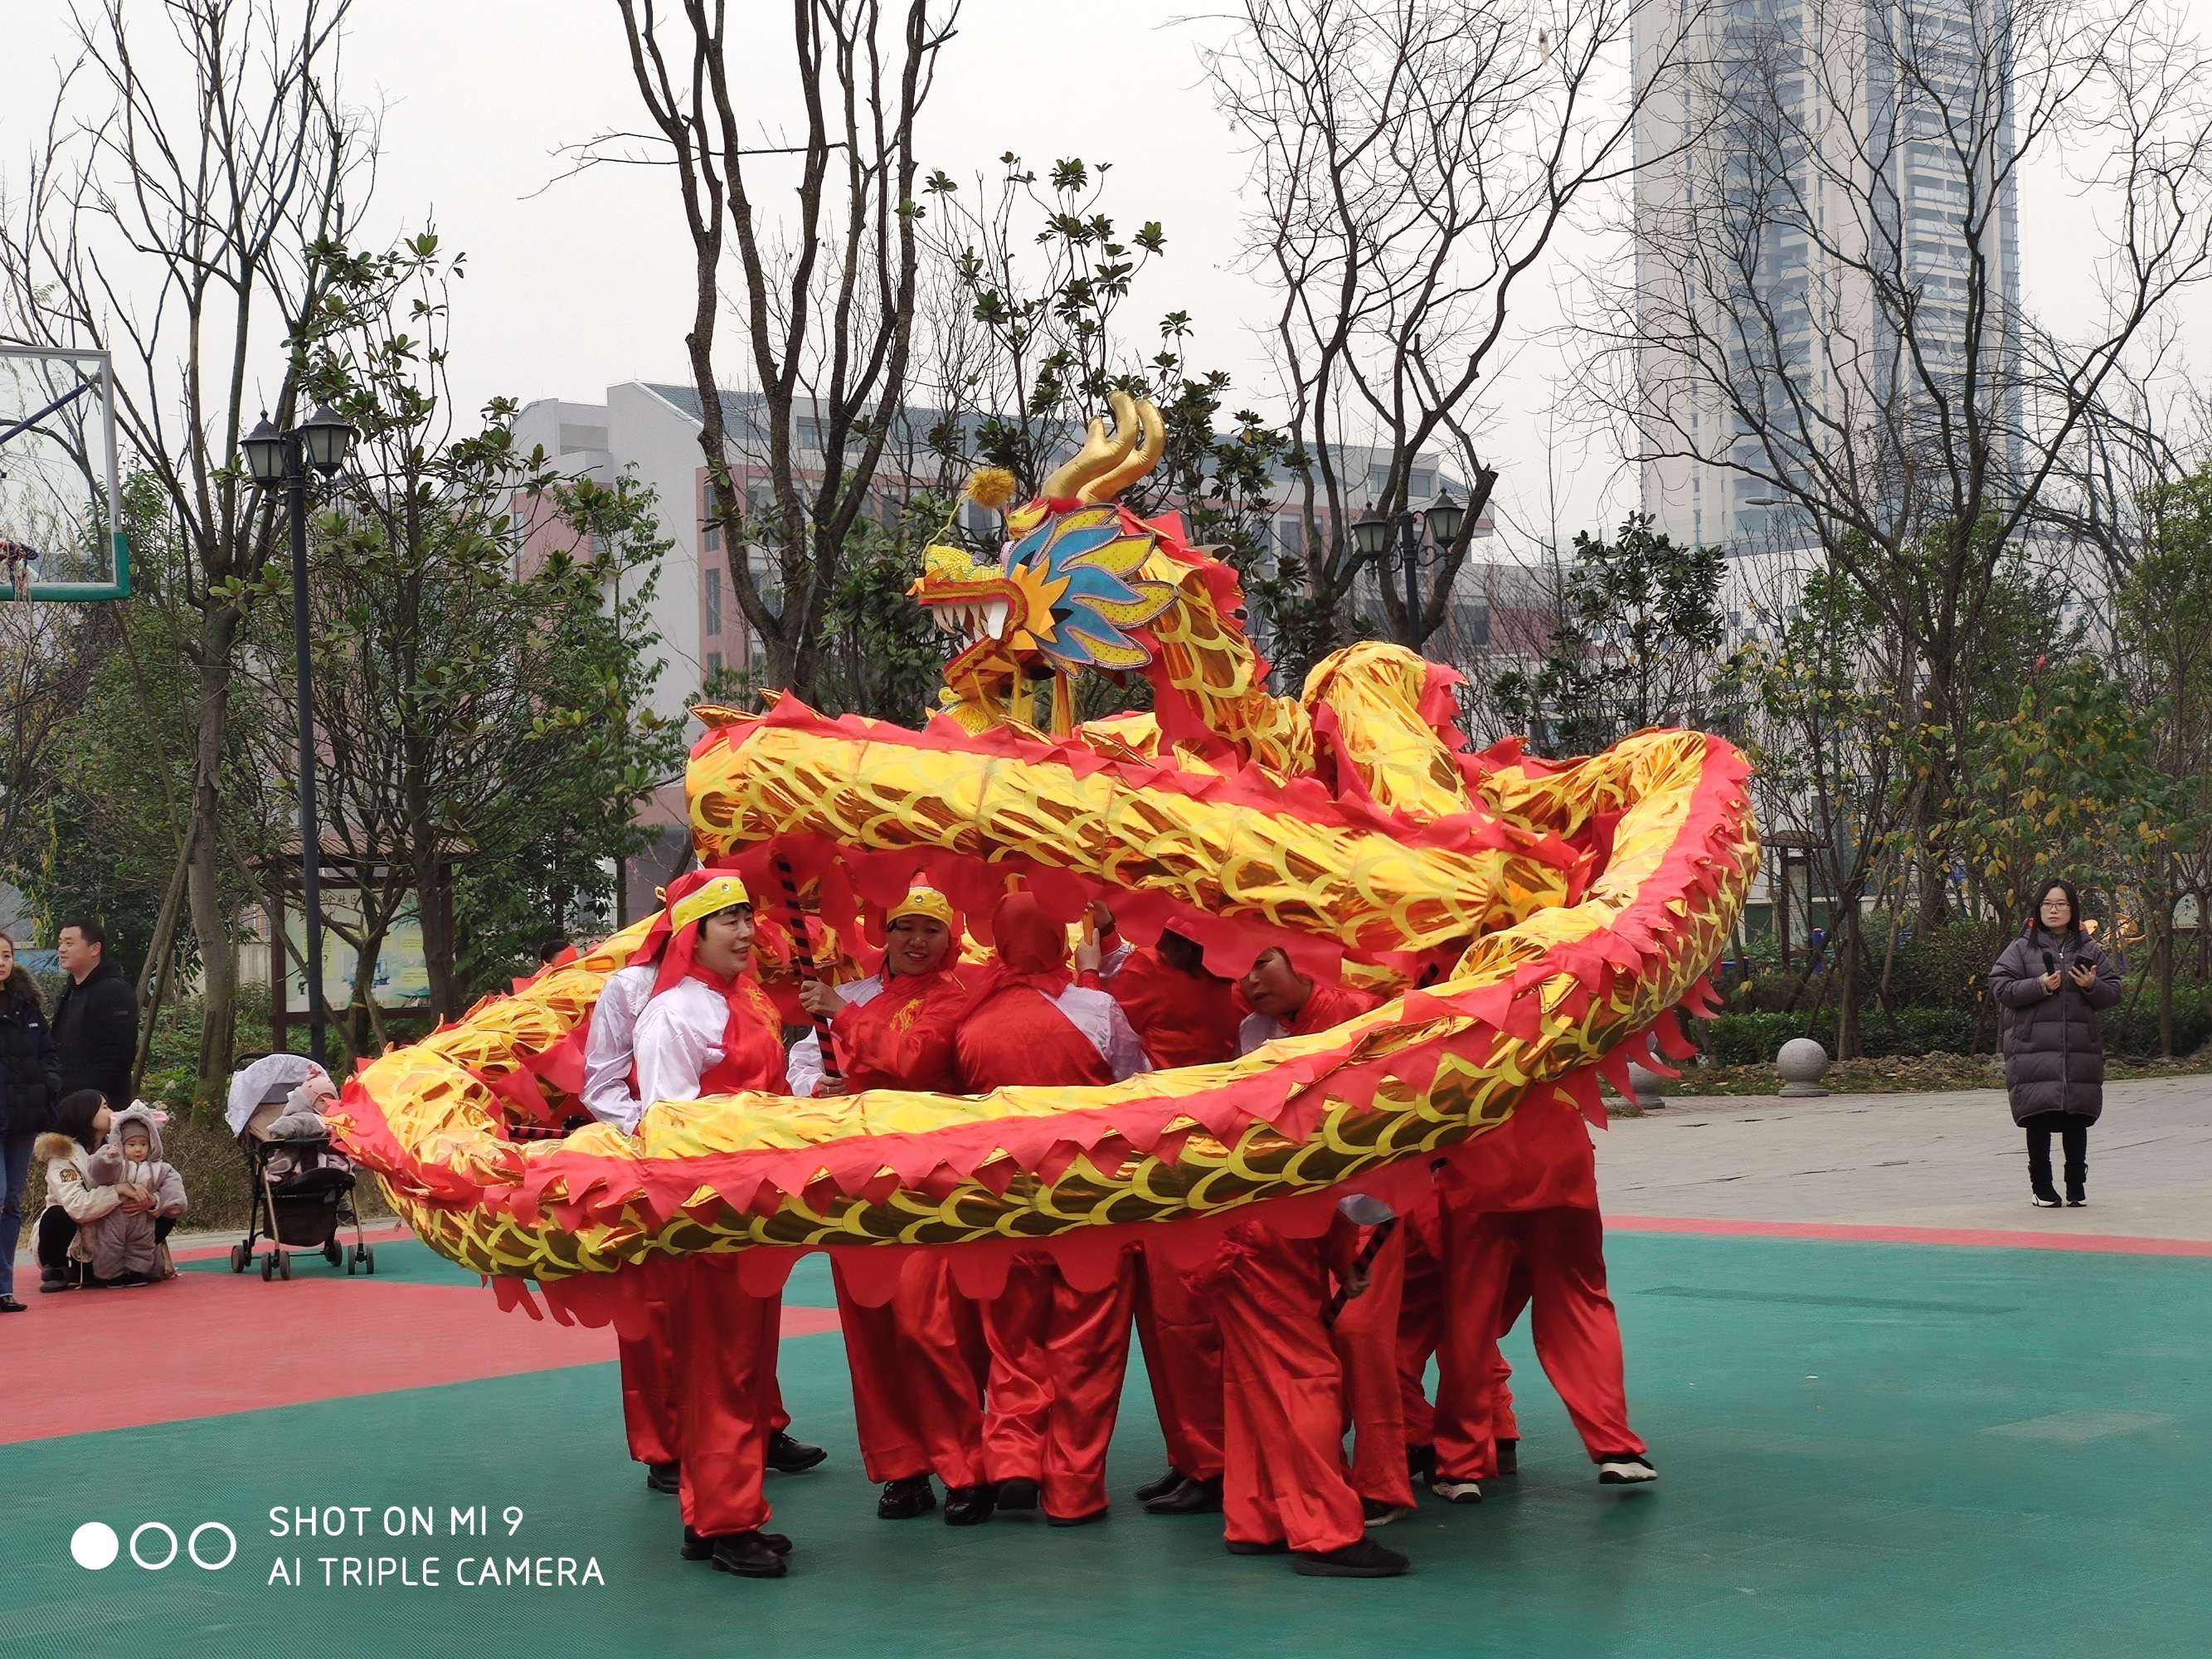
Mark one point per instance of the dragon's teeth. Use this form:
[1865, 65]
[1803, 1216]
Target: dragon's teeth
[994, 617]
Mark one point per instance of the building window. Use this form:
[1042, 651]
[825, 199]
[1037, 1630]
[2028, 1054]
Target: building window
[714, 602]
[710, 539]
[714, 667]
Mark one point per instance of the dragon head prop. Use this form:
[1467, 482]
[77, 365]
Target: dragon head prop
[1065, 594]
[1528, 925]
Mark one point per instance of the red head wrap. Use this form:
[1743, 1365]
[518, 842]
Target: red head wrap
[1031, 947]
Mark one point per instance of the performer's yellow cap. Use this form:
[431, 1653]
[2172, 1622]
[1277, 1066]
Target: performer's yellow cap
[720, 892]
[921, 901]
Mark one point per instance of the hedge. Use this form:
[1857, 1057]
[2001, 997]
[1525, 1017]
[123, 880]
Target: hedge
[1753, 1039]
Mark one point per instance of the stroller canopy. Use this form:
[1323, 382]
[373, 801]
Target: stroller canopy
[268, 1081]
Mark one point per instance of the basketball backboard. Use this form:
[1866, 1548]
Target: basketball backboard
[61, 535]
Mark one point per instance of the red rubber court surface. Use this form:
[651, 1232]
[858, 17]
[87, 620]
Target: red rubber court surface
[208, 1343]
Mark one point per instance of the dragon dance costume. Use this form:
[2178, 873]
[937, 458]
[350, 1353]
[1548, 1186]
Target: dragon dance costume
[1524, 925]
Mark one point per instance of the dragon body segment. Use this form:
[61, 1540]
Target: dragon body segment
[1530, 924]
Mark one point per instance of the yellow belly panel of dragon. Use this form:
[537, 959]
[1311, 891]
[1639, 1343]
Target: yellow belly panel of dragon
[1530, 924]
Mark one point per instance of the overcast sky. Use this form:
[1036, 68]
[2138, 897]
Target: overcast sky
[588, 282]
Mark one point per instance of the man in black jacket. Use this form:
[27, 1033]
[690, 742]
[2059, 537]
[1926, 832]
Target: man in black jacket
[95, 1024]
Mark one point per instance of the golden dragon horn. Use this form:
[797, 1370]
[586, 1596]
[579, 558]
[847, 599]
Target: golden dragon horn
[1139, 457]
[1099, 456]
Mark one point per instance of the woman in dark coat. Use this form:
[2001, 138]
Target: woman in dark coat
[30, 1083]
[2053, 981]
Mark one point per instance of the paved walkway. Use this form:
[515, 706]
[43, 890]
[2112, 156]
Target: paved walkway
[1951, 1160]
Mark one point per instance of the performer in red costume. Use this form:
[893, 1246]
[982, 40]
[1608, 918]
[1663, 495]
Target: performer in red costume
[1286, 1488]
[1523, 1201]
[918, 1362]
[1420, 1328]
[710, 1030]
[1057, 1353]
[1285, 1003]
[647, 1358]
[1184, 1016]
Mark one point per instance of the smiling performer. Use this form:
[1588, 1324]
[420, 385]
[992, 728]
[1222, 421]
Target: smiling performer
[710, 1030]
[1057, 1353]
[918, 1361]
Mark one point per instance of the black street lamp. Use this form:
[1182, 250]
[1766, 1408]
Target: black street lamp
[321, 441]
[1370, 538]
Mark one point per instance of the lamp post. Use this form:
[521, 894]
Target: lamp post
[1370, 538]
[322, 441]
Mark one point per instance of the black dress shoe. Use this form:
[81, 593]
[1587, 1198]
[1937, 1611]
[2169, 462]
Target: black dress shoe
[1420, 1461]
[1509, 1457]
[696, 1548]
[1051, 1520]
[8, 1304]
[1019, 1494]
[1192, 1497]
[905, 1498]
[749, 1555]
[665, 1477]
[789, 1456]
[1161, 1487]
[1240, 1546]
[1365, 1559]
[969, 1506]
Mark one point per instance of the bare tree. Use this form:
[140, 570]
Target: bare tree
[826, 298]
[181, 211]
[1824, 304]
[1415, 161]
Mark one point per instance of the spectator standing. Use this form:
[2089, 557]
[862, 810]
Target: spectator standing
[95, 1025]
[2053, 981]
[29, 1086]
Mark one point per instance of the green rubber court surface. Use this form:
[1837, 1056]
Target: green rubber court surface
[1865, 1449]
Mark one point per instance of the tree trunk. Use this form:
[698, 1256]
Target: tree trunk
[2168, 899]
[219, 982]
[435, 914]
[154, 976]
[1847, 988]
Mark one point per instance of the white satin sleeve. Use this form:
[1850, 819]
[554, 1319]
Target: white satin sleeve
[803, 1069]
[1125, 1050]
[611, 1044]
[679, 1041]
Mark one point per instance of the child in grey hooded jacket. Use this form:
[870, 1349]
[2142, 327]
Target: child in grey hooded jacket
[125, 1247]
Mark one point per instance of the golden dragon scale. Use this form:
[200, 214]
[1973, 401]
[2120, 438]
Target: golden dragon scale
[1533, 926]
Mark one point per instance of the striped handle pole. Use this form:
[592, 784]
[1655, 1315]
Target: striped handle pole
[1368, 1251]
[804, 956]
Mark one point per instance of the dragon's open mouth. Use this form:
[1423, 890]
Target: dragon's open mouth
[1530, 923]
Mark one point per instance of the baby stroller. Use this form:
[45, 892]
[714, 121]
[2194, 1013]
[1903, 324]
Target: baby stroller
[302, 1185]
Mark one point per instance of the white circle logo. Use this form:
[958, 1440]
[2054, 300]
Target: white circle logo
[140, 1531]
[94, 1544]
[229, 1539]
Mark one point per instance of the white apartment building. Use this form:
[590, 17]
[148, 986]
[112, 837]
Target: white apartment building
[1808, 164]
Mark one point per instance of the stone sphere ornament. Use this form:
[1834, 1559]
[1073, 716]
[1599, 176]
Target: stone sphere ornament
[1801, 1064]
